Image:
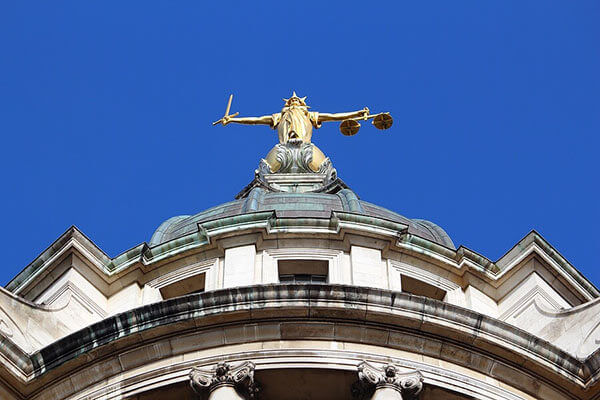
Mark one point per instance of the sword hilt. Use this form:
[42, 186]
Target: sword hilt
[227, 111]
[221, 120]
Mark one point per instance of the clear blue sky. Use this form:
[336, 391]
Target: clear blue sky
[106, 111]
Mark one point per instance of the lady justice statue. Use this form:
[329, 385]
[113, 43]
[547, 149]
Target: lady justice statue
[295, 152]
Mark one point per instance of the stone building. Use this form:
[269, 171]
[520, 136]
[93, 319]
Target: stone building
[298, 290]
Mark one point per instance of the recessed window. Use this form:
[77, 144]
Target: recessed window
[193, 284]
[420, 288]
[303, 271]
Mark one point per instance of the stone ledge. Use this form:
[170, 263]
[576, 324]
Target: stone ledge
[321, 312]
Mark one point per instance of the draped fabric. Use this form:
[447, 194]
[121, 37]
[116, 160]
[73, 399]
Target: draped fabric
[295, 123]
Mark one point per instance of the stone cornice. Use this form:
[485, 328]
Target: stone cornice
[428, 321]
[460, 260]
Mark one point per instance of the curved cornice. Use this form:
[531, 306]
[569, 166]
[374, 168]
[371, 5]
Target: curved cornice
[317, 312]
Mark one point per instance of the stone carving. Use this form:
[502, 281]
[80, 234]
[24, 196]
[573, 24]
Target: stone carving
[5, 329]
[371, 379]
[295, 157]
[240, 376]
[292, 166]
[5, 323]
[326, 168]
[263, 169]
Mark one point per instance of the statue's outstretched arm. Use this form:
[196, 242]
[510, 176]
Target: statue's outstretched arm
[324, 117]
[264, 120]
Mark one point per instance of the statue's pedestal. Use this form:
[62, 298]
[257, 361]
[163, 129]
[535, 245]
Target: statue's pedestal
[296, 183]
[295, 167]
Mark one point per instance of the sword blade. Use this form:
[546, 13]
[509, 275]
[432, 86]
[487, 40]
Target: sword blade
[229, 104]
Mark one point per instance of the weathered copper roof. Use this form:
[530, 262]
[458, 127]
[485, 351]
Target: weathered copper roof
[301, 205]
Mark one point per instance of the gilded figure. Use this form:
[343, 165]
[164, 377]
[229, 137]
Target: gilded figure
[296, 122]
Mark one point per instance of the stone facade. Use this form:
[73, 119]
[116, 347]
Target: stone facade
[298, 294]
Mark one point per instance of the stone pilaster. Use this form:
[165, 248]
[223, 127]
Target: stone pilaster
[386, 383]
[225, 381]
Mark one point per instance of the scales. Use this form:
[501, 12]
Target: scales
[350, 127]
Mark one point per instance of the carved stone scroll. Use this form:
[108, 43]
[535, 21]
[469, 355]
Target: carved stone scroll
[225, 381]
[386, 383]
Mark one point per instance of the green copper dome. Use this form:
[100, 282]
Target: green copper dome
[296, 205]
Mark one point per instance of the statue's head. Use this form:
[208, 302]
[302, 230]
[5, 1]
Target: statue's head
[295, 101]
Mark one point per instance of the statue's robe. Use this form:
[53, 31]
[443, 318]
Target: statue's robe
[295, 122]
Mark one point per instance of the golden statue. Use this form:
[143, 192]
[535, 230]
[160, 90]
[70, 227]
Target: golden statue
[295, 123]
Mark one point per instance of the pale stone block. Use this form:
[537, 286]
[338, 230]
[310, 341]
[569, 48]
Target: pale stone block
[367, 267]
[197, 341]
[77, 301]
[269, 269]
[514, 377]
[478, 301]
[145, 354]
[239, 266]
[381, 351]
[151, 295]
[240, 334]
[95, 373]
[60, 390]
[534, 287]
[43, 334]
[258, 268]
[394, 277]
[547, 392]
[456, 297]
[345, 269]
[300, 330]
[76, 280]
[127, 298]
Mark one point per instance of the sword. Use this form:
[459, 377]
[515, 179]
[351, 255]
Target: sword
[226, 112]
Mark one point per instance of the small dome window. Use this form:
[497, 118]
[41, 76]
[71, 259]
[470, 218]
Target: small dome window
[303, 271]
[420, 288]
[193, 284]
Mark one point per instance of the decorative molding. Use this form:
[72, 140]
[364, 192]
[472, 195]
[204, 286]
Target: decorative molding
[72, 243]
[184, 273]
[305, 253]
[80, 296]
[520, 305]
[408, 384]
[424, 276]
[11, 333]
[334, 257]
[534, 248]
[240, 376]
[5, 329]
